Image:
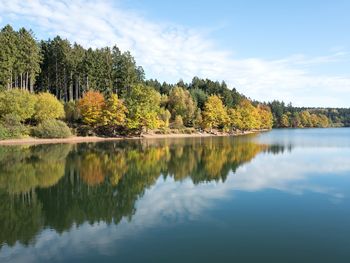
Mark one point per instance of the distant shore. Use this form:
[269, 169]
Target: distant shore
[79, 139]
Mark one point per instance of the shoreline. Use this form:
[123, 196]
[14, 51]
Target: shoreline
[79, 139]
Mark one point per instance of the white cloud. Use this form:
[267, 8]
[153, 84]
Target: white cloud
[170, 52]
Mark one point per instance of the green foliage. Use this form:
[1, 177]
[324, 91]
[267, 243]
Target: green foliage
[48, 107]
[52, 129]
[143, 104]
[17, 102]
[199, 96]
[72, 112]
[230, 97]
[19, 59]
[11, 127]
[180, 103]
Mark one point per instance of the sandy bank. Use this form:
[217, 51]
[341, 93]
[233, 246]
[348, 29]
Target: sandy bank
[77, 139]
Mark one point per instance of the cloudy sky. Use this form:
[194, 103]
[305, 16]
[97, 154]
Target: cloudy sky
[294, 51]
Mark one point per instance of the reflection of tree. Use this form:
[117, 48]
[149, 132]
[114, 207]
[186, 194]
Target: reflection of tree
[19, 219]
[103, 181]
[25, 168]
[91, 171]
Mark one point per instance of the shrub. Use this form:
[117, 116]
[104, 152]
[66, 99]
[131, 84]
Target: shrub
[11, 127]
[47, 107]
[3, 132]
[17, 102]
[72, 112]
[52, 129]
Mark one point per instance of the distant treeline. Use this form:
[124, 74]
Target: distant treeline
[287, 116]
[109, 84]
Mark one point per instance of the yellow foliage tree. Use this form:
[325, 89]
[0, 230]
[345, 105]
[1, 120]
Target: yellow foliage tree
[91, 106]
[48, 107]
[235, 119]
[248, 115]
[266, 118]
[113, 112]
[215, 113]
[285, 123]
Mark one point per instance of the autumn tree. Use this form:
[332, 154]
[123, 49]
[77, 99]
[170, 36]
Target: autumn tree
[248, 115]
[48, 107]
[113, 112]
[91, 107]
[285, 123]
[214, 114]
[180, 103]
[265, 116]
[143, 104]
[164, 117]
[235, 119]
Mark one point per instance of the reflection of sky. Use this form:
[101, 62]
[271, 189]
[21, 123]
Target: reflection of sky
[307, 137]
[322, 171]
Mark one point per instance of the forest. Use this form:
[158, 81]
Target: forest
[54, 88]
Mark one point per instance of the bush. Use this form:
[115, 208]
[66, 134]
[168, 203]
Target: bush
[17, 102]
[52, 129]
[11, 127]
[48, 107]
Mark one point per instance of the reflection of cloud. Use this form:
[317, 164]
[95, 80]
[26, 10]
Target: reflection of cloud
[334, 138]
[168, 202]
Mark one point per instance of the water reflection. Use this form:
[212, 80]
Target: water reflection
[57, 186]
[67, 186]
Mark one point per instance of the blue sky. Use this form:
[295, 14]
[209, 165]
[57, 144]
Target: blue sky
[297, 51]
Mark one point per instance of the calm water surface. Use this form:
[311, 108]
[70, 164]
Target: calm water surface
[281, 196]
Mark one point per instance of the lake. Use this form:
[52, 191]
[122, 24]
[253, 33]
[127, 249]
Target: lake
[280, 196]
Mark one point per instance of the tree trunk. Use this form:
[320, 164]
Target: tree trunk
[57, 93]
[87, 82]
[11, 81]
[77, 88]
[71, 87]
[65, 84]
[27, 80]
[31, 84]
